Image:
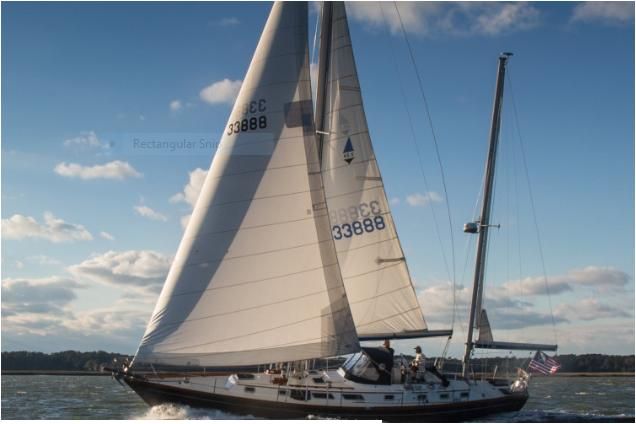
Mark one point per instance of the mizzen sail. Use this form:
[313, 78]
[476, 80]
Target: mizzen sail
[256, 277]
[376, 277]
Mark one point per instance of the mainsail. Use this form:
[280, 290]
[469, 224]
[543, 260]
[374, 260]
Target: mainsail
[256, 277]
[376, 277]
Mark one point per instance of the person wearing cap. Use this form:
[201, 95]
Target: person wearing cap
[420, 359]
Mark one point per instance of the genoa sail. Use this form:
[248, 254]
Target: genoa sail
[256, 277]
[375, 273]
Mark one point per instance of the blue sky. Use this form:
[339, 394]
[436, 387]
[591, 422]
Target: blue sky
[90, 223]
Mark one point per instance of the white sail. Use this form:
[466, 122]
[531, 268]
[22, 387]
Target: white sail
[485, 332]
[256, 278]
[373, 266]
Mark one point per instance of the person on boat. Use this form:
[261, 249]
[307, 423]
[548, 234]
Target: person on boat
[419, 362]
[387, 346]
[420, 359]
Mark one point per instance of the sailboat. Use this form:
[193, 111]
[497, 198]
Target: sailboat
[291, 256]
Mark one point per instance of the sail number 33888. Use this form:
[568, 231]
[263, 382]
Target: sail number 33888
[357, 220]
[250, 123]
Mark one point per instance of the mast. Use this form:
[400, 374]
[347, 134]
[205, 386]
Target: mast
[482, 225]
[323, 65]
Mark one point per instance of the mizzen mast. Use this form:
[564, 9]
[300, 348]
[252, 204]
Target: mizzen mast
[482, 225]
[478, 317]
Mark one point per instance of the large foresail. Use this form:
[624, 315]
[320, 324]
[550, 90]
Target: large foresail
[377, 280]
[256, 277]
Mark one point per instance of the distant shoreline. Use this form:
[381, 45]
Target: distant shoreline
[588, 374]
[54, 372]
[97, 373]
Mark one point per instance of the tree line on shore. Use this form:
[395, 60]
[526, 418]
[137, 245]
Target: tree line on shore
[71, 360]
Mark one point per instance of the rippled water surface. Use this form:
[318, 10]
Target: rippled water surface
[556, 399]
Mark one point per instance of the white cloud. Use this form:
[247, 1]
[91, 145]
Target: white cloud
[37, 295]
[612, 338]
[190, 192]
[149, 213]
[127, 324]
[115, 170]
[38, 314]
[85, 139]
[607, 12]
[459, 19]
[394, 201]
[504, 17]
[590, 309]
[19, 264]
[43, 260]
[503, 312]
[229, 21]
[418, 199]
[414, 15]
[512, 319]
[19, 227]
[107, 236]
[601, 278]
[133, 269]
[176, 105]
[224, 91]
[185, 219]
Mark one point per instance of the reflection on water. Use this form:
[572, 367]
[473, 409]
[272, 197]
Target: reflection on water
[552, 399]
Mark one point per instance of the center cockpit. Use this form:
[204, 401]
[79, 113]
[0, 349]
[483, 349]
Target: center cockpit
[375, 365]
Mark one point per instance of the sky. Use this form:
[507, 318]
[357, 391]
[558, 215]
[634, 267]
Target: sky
[90, 222]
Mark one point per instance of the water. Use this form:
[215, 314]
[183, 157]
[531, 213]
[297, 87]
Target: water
[555, 399]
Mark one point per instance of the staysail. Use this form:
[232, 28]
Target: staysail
[256, 277]
[376, 277]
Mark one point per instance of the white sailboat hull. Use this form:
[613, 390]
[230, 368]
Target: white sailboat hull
[327, 394]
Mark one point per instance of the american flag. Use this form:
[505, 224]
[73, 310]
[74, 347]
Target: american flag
[544, 364]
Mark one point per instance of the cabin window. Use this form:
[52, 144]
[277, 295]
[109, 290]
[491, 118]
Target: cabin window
[443, 396]
[464, 394]
[299, 394]
[422, 398]
[352, 396]
[388, 397]
[282, 392]
[249, 389]
[245, 376]
[318, 380]
[321, 395]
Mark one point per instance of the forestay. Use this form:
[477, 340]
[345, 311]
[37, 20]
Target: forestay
[256, 278]
[373, 266]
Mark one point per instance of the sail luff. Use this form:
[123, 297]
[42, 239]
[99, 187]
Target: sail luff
[256, 278]
[323, 65]
[378, 283]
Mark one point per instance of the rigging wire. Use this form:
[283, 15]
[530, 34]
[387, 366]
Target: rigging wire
[532, 205]
[417, 150]
[436, 144]
[426, 186]
[518, 218]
